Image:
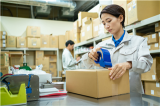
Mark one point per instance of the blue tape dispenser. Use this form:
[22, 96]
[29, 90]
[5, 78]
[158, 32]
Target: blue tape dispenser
[104, 59]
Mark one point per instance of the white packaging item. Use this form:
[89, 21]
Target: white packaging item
[4, 41]
[153, 77]
[22, 44]
[34, 44]
[3, 36]
[157, 84]
[45, 43]
[156, 44]
[4, 33]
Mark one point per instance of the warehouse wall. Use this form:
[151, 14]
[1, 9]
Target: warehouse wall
[17, 26]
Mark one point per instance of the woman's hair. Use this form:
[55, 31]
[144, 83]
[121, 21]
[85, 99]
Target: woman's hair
[114, 10]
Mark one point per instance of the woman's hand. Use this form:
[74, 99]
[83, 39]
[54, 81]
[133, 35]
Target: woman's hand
[119, 69]
[93, 54]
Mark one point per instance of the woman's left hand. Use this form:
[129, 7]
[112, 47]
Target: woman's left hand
[119, 69]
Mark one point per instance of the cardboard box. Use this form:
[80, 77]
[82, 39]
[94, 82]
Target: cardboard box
[33, 67]
[106, 38]
[82, 15]
[39, 54]
[96, 27]
[152, 88]
[76, 38]
[44, 61]
[154, 46]
[33, 31]
[154, 73]
[52, 58]
[53, 41]
[3, 43]
[153, 38]
[4, 70]
[4, 59]
[16, 59]
[67, 36]
[136, 10]
[21, 42]
[157, 27]
[33, 42]
[3, 34]
[53, 72]
[96, 83]
[61, 42]
[45, 41]
[83, 34]
[52, 65]
[11, 41]
[76, 28]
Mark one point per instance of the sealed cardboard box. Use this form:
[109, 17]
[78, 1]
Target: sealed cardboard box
[76, 38]
[83, 34]
[157, 27]
[52, 58]
[67, 36]
[21, 41]
[44, 61]
[4, 70]
[53, 72]
[152, 88]
[33, 31]
[16, 59]
[82, 15]
[154, 46]
[76, 28]
[3, 34]
[4, 59]
[136, 10]
[45, 41]
[3, 43]
[39, 54]
[11, 41]
[96, 27]
[61, 42]
[106, 38]
[96, 83]
[33, 42]
[53, 65]
[153, 38]
[154, 73]
[53, 41]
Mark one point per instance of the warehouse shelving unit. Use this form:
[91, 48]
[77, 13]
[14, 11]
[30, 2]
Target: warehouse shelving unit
[130, 28]
[34, 49]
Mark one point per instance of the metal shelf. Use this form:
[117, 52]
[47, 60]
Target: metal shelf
[44, 49]
[82, 52]
[142, 23]
[154, 51]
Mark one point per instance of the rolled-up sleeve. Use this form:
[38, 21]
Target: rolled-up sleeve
[144, 61]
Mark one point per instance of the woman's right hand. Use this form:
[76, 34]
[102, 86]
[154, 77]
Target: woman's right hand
[93, 54]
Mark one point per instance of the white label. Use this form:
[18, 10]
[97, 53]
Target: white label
[75, 39]
[45, 43]
[157, 84]
[22, 44]
[129, 9]
[159, 34]
[134, 3]
[75, 28]
[153, 77]
[96, 28]
[4, 45]
[156, 44]
[156, 25]
[4, 41]
[4, 33]
[83, 24]
[149, 47]
[3, 36]
[34, 44]
[153, 35]
[75, 35]
[83, 33]
[88, 28]
[152, 92]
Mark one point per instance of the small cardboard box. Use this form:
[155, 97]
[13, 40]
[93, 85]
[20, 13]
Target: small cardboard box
[157, 27]
[16, 58]
[33, 31]
[3, 34]
[52, 58]
[4, 70]
[4, 59]
[45, 41]
[39, 54]
[152, 88]
[53, 72]
[52, 65]
[33, 42]
[96, 27]
[44, 61]
[53, 41]
[96, 83]
[82, 15]
[154, 73]
[154, 46]
[76, 28]
[11, 41]
[136, 10]
[3, 43]
[21, 42]
[153, 38]
[62, 42]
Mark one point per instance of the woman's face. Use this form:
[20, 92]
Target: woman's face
[111, 23]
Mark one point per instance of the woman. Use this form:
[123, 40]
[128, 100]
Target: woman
[129, 52]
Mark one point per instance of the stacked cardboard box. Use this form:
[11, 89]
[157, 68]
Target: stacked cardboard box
[61, 42]
[3, 36]
[16, 58]
[151, 79]
[21, 42]
[11, 41]
[53, 41]
[67, 36]
[45, 41]
[76, 32]
[33, 37]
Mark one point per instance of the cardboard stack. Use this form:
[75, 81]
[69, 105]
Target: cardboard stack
[21, 42]
[33, 37]
[76, 32]
[61, 42]
[16, 58]
[67, 36]
[45, 41]
[53, 41]
[3, 36]
[11, 41]
[152, 79]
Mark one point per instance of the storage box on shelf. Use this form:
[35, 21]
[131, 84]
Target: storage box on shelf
[52, 58]
[11, 41]
[33, 31]
[96, 27]
[53, 69]
[16, 58]
[3, 40]
[153, 38]
[76, 28]
[44, 61]
[33, 42]
[39, 54]
[3, 34]
[4, 59]
[4, 70]
[61, 42]
[45, 41]
[67, 36]
[76, 37]
[154, 46]
[53, 41]
[157, 27]
[21, 42]
[136, 10]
